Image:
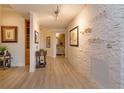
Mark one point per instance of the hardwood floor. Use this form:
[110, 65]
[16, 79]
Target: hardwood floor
[58, 74]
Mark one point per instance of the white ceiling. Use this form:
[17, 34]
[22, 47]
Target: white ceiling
[46, 15]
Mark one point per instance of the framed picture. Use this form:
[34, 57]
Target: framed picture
[48, 40]
[74, 36]
[36, 37]
[9, 34]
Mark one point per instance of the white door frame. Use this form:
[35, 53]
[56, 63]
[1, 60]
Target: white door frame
[56, 42]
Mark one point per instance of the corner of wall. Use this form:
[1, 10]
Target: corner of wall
[34, 26]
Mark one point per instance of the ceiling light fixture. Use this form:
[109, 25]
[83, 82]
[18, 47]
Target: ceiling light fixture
[56, 12]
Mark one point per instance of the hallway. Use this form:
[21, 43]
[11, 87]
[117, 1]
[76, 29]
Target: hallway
[57, 74]
[93, 45]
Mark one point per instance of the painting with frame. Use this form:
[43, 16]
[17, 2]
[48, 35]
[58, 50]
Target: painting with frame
[9, 34]
[48, 42]
[74, 36]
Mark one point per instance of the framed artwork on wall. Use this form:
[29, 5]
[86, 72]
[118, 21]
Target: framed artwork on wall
[48, 42]
[36, 37]
[9, 34]
[74, 36]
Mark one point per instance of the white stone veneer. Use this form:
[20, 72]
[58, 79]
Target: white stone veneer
[92, 57]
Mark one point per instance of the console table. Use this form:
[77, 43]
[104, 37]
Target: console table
[39, 54]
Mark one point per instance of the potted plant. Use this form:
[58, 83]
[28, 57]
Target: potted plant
[2, 49]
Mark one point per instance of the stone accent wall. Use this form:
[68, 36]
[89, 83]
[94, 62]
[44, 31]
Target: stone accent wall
[98, 55]
[122, 45]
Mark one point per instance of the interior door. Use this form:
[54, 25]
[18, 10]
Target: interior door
[27, 42]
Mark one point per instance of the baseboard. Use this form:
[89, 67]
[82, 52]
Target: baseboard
[31, 70]
[52, 56]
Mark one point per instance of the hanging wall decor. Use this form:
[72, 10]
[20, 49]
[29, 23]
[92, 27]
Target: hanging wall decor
[36, 37]
[48, 40]
[74, 39]
[9, 34]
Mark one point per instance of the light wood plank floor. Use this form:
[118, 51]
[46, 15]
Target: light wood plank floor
[58, 74]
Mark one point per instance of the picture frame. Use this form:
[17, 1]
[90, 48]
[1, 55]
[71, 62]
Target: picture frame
[48, 42]
[36, 37]
[9, 34]
[74, 36]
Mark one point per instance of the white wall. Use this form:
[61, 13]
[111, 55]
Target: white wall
[41, 39]
[92, 57]
[11, 18]
[44, 34]
[34, 26]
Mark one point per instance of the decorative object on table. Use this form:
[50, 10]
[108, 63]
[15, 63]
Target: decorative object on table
[5, 57]
[74, 36]
[36, 37]
[48, 42]
[41, 58]
[9, 34]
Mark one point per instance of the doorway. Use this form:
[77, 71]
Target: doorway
[60, 44]
[27, 42]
